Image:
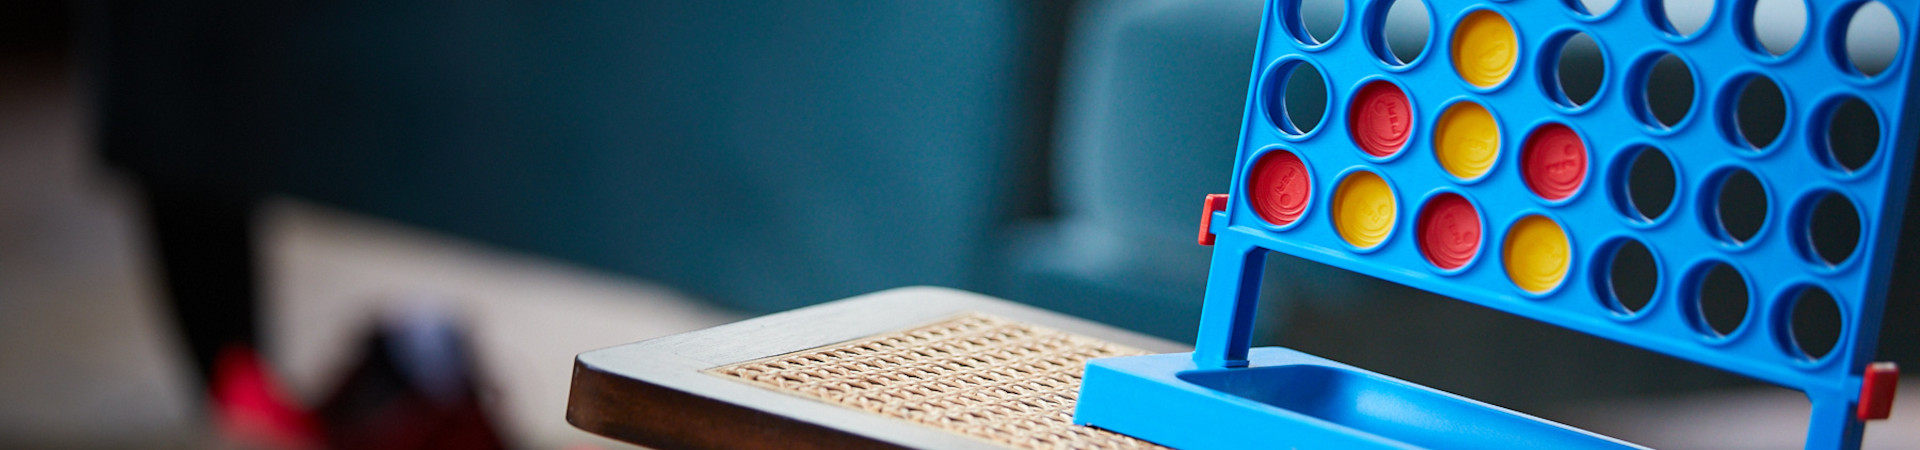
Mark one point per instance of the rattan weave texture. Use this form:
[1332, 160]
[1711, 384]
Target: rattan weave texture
[987, 377]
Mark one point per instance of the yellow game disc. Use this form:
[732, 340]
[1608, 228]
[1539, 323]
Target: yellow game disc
[1484, 48]
[1537, 254]
[1466, 140]
[1363, 209]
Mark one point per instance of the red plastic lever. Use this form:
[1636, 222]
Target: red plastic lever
[1876, 390]
[1215, 202]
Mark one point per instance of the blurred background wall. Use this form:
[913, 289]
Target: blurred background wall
[754, 157]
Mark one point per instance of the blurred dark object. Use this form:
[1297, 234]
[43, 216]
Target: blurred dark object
[415, 387]
[36, 27]
[202, 237]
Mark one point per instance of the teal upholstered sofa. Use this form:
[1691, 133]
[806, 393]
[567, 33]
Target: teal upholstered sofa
[762, 154]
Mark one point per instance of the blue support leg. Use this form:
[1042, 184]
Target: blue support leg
[1233, 290]
[1833, 425]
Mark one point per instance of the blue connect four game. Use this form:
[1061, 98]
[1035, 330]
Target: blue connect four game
[1469, 171]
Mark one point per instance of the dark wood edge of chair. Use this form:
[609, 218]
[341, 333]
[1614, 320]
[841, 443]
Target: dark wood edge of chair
[660, 417]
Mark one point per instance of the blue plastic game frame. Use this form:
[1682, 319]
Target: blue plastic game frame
[1225, 394]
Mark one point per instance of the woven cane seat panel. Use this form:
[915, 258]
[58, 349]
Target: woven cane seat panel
[982, 376]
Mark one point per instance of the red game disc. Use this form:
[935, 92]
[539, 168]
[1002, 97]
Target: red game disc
[1279, 187]
[1449, 231]
[1380, 119]
[1555, 162]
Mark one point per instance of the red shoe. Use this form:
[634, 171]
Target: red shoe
[250, 407]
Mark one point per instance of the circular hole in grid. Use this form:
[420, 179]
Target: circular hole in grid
[1760, 113]
[1740, 206]
[1873, 39]
[1296, 97]
[1776, 25]
[1404, 30]
[1833, 229]
[1592, 7]
[1579, 70]
[1722, 299]
[1814, 322]
[1279, 187]
[1449, 231]
[1853, 134]
[1632, 277]
[1649, 185]
[1684, 17]
[1667, 95]
[1380, 119]
[1318, 20]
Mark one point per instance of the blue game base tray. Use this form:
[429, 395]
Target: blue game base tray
[1304, 401]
